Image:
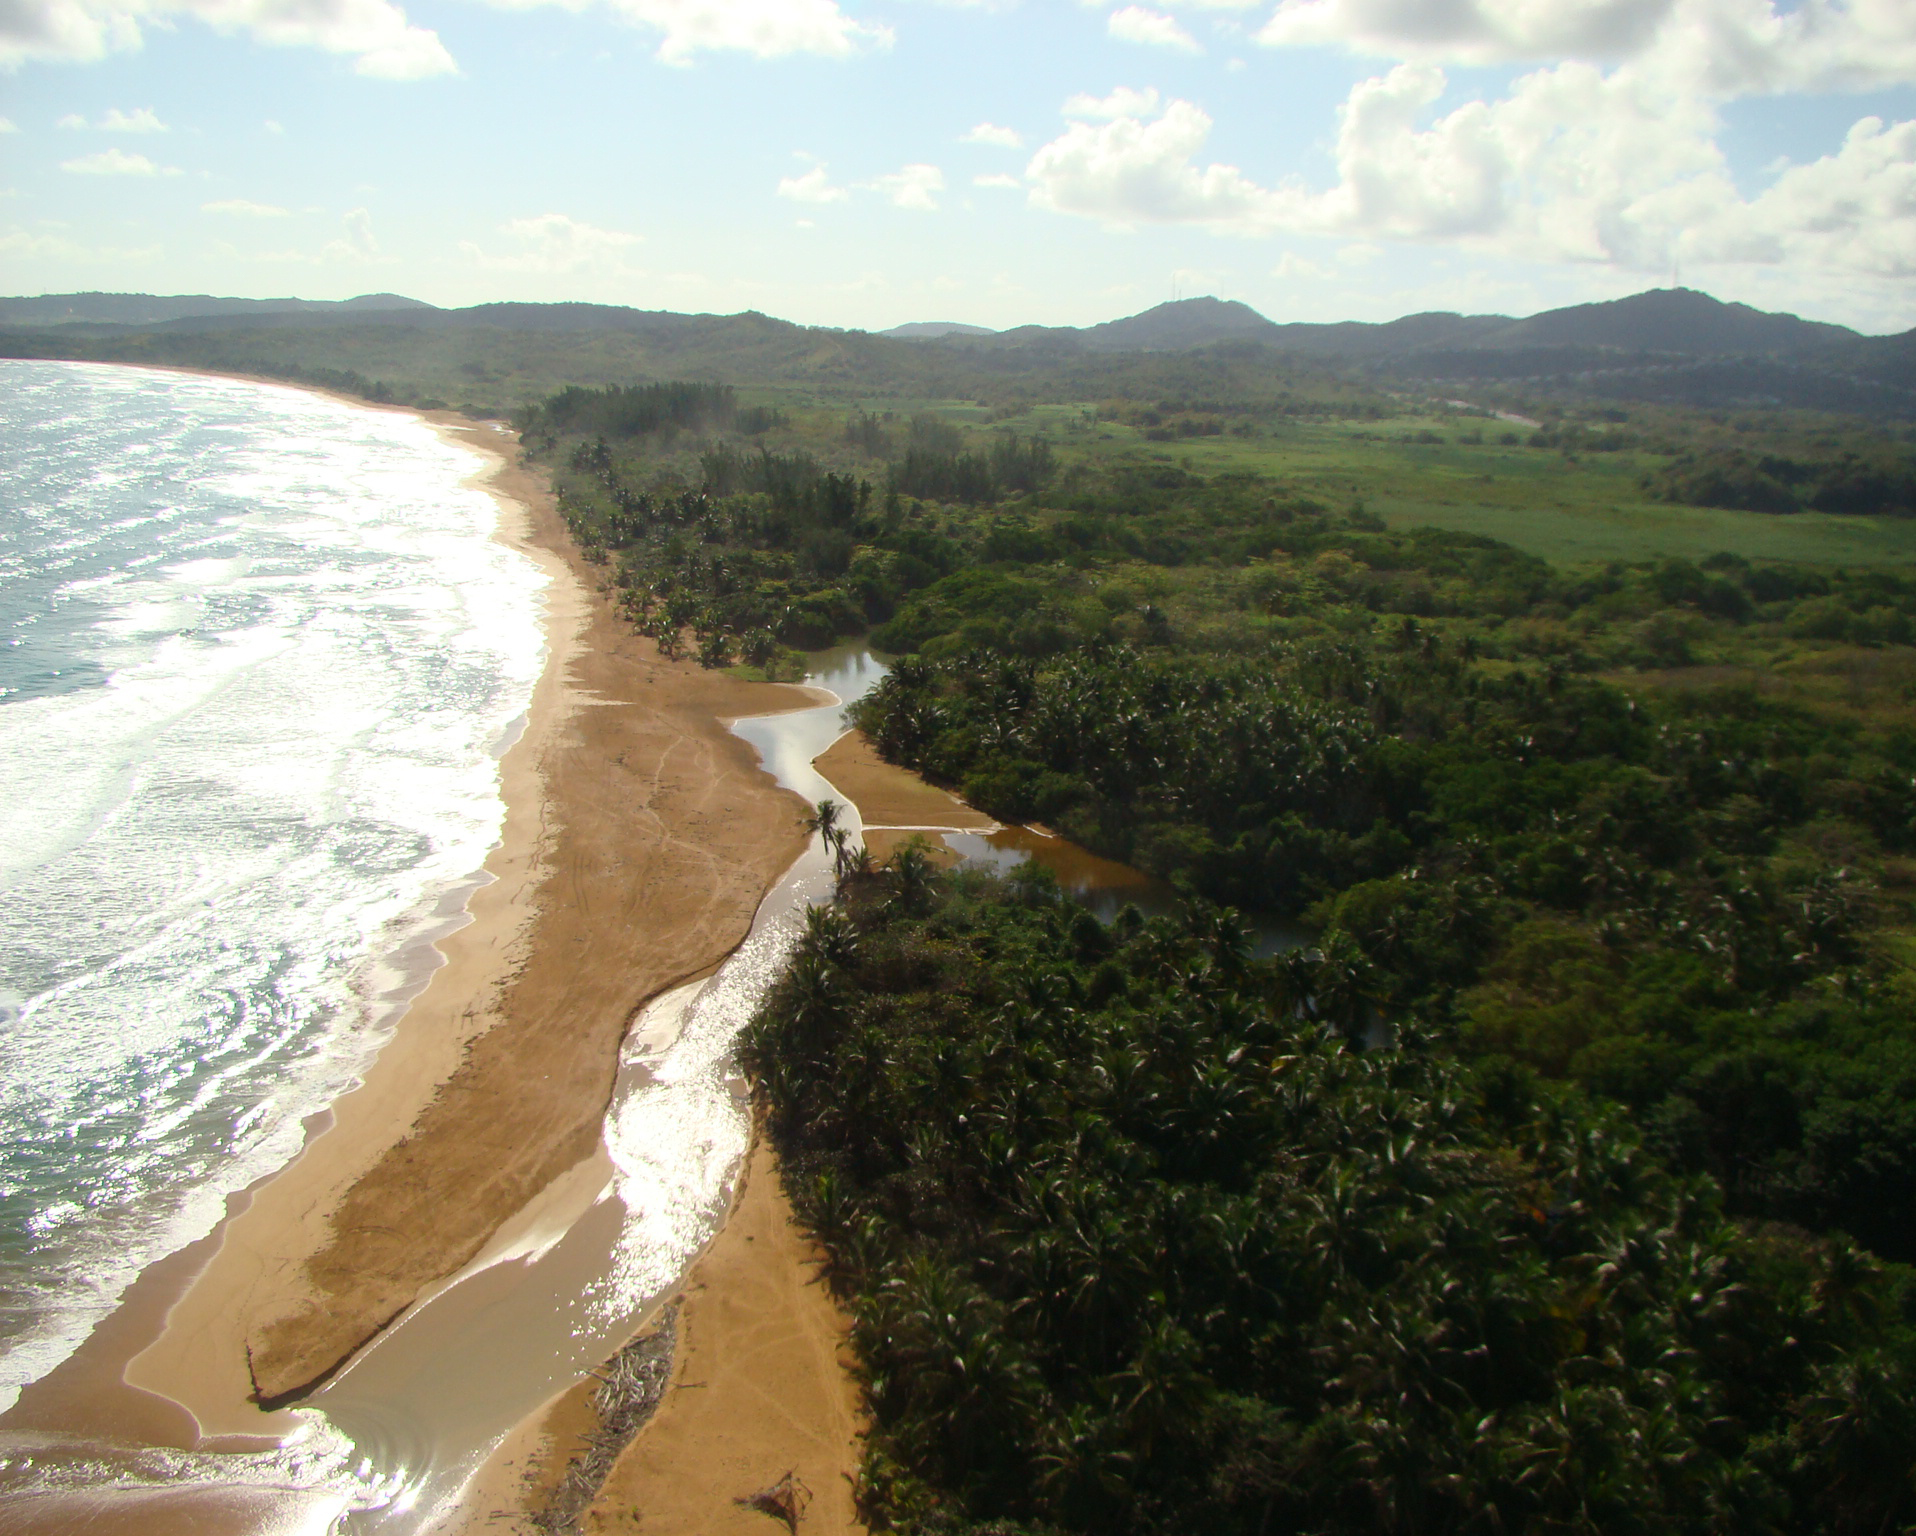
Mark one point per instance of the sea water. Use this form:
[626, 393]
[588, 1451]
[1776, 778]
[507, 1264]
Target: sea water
[259, 654]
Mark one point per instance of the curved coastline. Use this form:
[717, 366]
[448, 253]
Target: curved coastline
[496, 1076]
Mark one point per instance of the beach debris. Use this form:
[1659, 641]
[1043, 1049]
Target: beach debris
[785, 1501]
[630, 1386]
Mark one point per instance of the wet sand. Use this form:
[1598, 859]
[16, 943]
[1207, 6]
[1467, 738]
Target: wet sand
[640, 835]
[765, 1382]
[894, 803]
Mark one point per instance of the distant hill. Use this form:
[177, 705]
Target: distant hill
[931, 330]
[151, 309]
[1671, 320]
[1180, 324]
[1667, 345]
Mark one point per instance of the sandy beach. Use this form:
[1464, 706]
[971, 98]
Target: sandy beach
[764, 1382]
[640, 836]
[762, 1386]
[639, 839]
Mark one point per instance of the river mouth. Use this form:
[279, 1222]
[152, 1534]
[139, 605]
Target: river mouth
[579, 1271]
[570, 1280]
[566, 1283]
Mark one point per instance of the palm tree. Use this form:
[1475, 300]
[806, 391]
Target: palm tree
[824, 821]
[911, 873]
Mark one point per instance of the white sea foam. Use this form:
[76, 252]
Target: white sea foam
[262, 649]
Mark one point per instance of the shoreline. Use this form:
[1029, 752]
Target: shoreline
[763, 1381]
[305, 1268]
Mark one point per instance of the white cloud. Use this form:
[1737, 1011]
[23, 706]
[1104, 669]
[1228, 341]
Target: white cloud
[1731, 47]
[1855, 209]
[1123, 102]
[116, 162]
[55, 247]
[766, 29]
[1129, 171]
[991, 133]
[245, 208]
[996, 179]
[140, 120]
[1290, 266]
[387, 46]
[272, 127]
[913, 186]
[357, 244]
[812, 186]
[552, 242]
[1472, 31]
[7, 125]
[1572, 164]
[1135, 24]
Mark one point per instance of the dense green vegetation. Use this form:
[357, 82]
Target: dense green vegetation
[1883, 484]
[1609, 867]
[1690, 902]
[1647, 827]
[1134, 1241]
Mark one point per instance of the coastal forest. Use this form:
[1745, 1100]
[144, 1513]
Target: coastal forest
[1507, 1123]
[1562, 1179]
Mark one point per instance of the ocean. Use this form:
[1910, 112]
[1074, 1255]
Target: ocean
[261, 656]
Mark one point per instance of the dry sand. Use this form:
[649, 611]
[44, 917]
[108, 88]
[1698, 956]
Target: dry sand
[762, 1386]
[640, 836]
[764, 1381]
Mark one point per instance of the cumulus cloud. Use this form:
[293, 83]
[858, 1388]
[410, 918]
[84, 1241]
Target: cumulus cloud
[376, 32]
[1573, 164]
[7, 125]
[30, 244]
[992, 134]
[812, 186]
[357, 243]
[1135, 24]
[552, 242]
[1472, 31]
[766, 29]
[116, 162]
[996, 179]
[140, 120]
[1733, 47]
[1127, 170]
[1123, 102]
[1853, 209]
[246, 208]
[912, 186]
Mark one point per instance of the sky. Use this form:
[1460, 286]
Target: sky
[863, 163]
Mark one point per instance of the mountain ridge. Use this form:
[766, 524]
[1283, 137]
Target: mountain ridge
[1673, 345]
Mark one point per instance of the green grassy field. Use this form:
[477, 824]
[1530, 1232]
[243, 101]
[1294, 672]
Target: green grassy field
[1569, 509]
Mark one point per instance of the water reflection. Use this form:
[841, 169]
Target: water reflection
[1103, 886]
